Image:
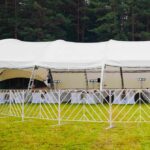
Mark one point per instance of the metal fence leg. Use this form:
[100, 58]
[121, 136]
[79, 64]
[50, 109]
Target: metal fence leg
[59, 109]
[10, 99]
[84, 117]
[40, 115]
[110, 111]
[23, 99]
[140, 99]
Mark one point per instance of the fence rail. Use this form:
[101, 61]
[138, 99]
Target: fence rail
[119, 105]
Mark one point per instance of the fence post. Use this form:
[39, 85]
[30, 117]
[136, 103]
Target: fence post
[23, 99]
[110, 110]
[10, 99]
[140, 99]
[40, 105]
[84, 116]
[59, 110]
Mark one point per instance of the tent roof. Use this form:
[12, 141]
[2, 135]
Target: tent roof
[128, 53]
[56, 54]
[70, 55]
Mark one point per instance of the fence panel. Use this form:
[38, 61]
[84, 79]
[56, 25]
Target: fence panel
[119, 105]
[84, 105]
[5, 102]
[15, 101]
[41, 104]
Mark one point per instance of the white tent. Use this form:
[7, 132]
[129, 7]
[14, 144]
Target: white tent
[58, 54]
[128, 54]
[70, 55]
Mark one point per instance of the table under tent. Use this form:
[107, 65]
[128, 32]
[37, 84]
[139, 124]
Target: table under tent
[59, 75]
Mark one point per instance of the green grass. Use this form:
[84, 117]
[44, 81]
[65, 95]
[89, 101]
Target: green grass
[41, 134]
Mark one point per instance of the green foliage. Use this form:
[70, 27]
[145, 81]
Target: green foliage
[75, 20]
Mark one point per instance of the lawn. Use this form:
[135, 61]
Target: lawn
[41, 134]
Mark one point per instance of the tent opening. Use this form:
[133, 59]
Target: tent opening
[20, 83]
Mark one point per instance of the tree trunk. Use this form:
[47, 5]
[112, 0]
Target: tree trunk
[133, 24]
[15, 27]
[78, 21]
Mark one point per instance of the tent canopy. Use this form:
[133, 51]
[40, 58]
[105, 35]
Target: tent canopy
[70, 55]
[128, 54]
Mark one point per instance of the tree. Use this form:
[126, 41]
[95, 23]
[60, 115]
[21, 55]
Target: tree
[75, 20]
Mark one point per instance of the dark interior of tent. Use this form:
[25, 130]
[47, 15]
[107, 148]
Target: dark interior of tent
[20, 83]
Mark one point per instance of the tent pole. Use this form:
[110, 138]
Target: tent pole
[122, 81]
[102, 77]
[31, 81]
[86, 79]
[30, 86]
[51, 79]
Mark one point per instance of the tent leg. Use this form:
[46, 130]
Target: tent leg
[31, 81]
[122, 81]
[30, 84]
[86, 80]
[102, 77]
[50, 77]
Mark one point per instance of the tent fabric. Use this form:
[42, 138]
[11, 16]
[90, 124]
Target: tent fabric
[61, 54]
[128, 54]
[57, 54]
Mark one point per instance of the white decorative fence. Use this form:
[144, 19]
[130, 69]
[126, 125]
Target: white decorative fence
[128, 105]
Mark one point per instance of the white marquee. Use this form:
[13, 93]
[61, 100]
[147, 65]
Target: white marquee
[70, 55]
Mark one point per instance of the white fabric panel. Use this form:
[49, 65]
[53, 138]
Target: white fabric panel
[36, 98]
[50, 98]
[117, 97]
[89, 99]
[70, 55]
[19, 54]
[128, 99]
[146, 95]
[17, 97]
[2, 97]
[76, 98]
[128, 54]
[56, 54]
